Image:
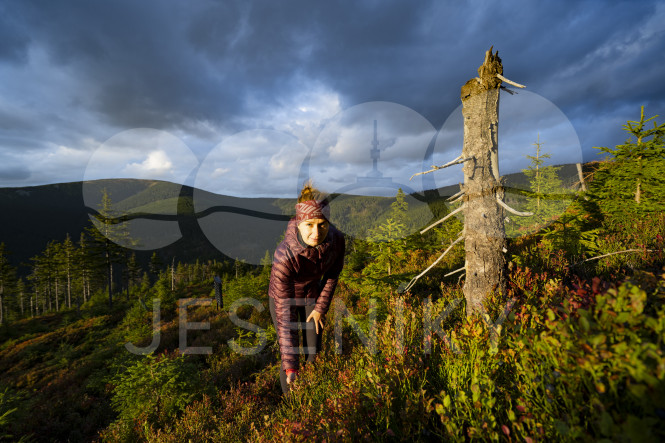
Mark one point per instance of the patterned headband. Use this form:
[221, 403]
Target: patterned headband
[312, 209]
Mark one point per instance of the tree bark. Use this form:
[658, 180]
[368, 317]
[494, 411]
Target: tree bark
[85, 286]
[580, 174]
[69, 288]
[485, 238]
[637, 192]
[110, 279]
[57, 302]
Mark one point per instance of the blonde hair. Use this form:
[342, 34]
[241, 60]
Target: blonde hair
[309, 192]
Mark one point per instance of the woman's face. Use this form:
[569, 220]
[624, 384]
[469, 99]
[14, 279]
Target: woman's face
[313, 231]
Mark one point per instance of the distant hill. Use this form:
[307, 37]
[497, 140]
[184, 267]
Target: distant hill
[180, 221]
[189, 224]
[32, 216]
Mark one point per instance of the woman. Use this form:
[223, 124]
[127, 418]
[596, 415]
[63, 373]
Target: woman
[304, 275]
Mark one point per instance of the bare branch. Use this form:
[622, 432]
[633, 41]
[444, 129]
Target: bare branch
[511, 210]
[455, 272]
[614, 253]
[580, 174]
[457, 161]
[458, 194]
[510, 82]
[443, 219]
[415, 279]
[457, 199]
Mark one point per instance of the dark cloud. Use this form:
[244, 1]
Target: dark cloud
[169, 64]
[14, 174]
[133, 64]
[163, 60]
[10, 121]
[13, 39]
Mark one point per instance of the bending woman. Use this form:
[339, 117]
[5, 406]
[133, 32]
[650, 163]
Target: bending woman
[304, 275]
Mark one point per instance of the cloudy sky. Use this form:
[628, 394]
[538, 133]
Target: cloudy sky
[249, 97]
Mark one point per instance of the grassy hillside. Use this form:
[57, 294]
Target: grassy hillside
[60, 370]
[577, 358]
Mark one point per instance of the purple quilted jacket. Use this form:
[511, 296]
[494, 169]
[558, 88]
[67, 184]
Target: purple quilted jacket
[302, 275]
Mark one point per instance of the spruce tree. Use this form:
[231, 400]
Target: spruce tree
[387, 241]
[155, 266]
[131, 272]
[35, 278]
[400, 208]
[21, 291]
[7, 280]
[545, 189]
[630, 184]
[43, 276]
[387, 247]
[83, 260]
[266, 263]
[53, 252]
[106, 236]
[145, 284]
[68, 260]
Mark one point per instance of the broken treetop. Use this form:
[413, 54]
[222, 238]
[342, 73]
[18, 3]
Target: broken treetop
[487, 78]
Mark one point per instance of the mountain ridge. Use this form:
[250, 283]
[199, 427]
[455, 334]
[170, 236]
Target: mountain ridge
[34, 215]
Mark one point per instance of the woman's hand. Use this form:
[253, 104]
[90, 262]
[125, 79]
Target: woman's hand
[291, 376]
[317, 318]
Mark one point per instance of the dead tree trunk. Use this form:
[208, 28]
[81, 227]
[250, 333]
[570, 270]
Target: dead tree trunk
[484, 239]
[482, 193]
[580, 174]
